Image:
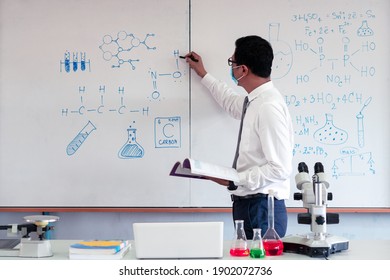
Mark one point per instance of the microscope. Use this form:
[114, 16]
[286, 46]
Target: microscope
[28, 246]
[314, 196]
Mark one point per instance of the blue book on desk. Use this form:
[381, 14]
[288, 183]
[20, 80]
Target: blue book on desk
[98, 247]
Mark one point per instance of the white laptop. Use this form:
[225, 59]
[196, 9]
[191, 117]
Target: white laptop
[178, 240]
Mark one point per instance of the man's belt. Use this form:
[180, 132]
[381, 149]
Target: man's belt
[250, 196]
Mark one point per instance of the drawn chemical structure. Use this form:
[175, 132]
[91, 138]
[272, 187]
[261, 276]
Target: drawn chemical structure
[67, 64]
[330, 134]
[121, 108]
[283, 57]
[177, 74]
[131, 149]
[344, 56]
[360, 125]
[80, 138]
[354, 165]
[167, 132]
[119, 48]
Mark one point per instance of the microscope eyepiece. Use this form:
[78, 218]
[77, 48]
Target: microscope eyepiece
[302, 167]
[318, 167]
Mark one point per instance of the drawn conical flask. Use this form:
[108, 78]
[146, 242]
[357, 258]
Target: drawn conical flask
[257, 247]
[330, 134]
[273, 244]
[364, 30]
[239, 246]
[131, 149]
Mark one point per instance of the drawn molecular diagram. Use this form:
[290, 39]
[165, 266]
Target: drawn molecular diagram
[177, 74]
[118, 49]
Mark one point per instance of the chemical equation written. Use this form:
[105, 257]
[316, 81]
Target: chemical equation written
[336, 52]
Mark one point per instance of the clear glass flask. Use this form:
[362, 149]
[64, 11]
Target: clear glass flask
[239, 246]
[273, 244]
[257, 247]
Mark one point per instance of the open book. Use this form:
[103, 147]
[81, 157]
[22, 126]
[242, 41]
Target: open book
[197, 169]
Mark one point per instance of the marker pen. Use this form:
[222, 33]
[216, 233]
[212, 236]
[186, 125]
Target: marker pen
[190, 56]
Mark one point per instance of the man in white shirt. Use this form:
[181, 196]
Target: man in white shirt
[265, 145]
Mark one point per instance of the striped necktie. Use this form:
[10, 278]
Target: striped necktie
[244, 107]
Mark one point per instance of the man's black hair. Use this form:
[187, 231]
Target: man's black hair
[256, 53]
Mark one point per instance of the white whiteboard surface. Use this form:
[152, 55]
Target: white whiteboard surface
[331, 61]
[104, 67]
[99, 67]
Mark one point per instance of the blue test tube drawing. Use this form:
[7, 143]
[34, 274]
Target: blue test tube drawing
[360, 125]
[80, 138]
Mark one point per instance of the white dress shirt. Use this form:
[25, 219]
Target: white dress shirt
[267, 139]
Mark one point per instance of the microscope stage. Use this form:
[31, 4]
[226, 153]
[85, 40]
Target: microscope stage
[304, 244]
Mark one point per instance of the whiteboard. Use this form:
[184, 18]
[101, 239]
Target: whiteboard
[331, 64]
[109, 73]
[94, 102]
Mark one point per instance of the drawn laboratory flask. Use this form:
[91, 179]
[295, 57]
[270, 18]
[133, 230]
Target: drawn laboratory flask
[257, 247]
[239, 247]
[364, 30]
[273, 244]
[283, 57]
[131, 149]
[330, 134]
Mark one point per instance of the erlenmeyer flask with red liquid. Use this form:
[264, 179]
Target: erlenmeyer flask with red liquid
[273, 244]
[239, 247]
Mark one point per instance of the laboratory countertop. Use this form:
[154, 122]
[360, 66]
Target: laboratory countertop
[358, 250]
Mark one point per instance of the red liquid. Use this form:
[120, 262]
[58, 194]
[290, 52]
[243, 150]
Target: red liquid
[235, 252]
[273, 247]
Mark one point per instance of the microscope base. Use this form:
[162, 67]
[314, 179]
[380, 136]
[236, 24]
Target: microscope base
[35, 248]
[307, 245]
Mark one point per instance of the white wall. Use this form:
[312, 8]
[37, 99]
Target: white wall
[83, 225]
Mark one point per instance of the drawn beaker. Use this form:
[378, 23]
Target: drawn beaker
[131, 149]
[80, 138]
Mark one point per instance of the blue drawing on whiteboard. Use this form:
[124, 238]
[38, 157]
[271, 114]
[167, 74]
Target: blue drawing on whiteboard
[360, 125]
[364, 30]
[283, 57]
[131, 149]
[67, 64]
[330, 134]
[80, 138]
[167, 132]
[176, 75]
[101, 107]
[119, 48]
[354, 165]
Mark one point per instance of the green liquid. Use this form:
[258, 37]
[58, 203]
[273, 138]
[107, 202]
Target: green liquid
[257, 253]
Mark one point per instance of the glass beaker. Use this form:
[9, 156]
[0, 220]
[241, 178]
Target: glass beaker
[239, 246]
[257, 247]
[273, 244]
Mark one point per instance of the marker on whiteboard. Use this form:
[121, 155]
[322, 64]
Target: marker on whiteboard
[190, 56]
